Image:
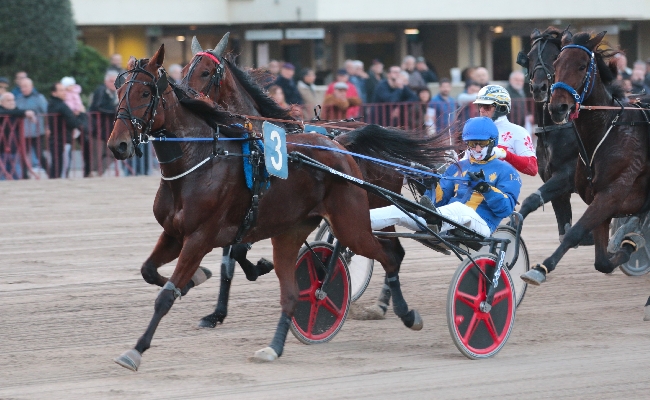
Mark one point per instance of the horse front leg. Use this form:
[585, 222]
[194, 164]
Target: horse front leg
[190, 256]
[167, 250]
[227, 274]
[600, 210]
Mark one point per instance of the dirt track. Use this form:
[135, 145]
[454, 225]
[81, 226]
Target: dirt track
[72, 298]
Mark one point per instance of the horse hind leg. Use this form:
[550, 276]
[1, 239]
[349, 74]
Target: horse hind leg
[345, 222]
[227, 274]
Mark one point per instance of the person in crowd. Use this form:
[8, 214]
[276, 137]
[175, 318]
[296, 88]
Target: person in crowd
[515, 145]
[520, 114]
[342, 76]
[415, 78]
[441, 111]
[289, 88]
[9, 157]
[357, 77]
[428, 74]
[307, 90]
[624, 72]
[419, 119]
[276, 93]
[63, 121]
[4, 85]
[274, 67]
[466, 98]
[424, 94]
[391, 90]
[336, 105]
[116, 64]
[637, 79]
[18, 77]
[73, 95]
[34, 131]
[97, 158]
[375, 75]
[628, 88]
[647, 75]
[486, 194]
[175, 72]
[481, 76]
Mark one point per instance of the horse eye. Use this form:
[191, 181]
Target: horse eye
[145, 94]
[205, 73]
[583, 67]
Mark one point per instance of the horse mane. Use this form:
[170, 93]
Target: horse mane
[551, 34]
[397, 145]
[250, 82]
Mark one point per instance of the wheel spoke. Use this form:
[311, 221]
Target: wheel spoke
[313, 275]
[489, 323]
[500, 296]
[471, 328]
[467, 298]
[331, 307]
[313, 311]
[304, 295]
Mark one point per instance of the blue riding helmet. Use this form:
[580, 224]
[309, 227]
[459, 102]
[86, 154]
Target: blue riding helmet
[480, 128]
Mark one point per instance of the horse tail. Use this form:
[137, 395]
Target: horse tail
[400, 146]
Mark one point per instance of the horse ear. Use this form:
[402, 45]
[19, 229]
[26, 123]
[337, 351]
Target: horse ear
[595, 41]
[566, 38]
[131, 63]
[536, 33]
[158, 58]
[196, 47]
[223, 43]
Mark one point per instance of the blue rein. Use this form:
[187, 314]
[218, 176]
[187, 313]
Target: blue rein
[589, 80]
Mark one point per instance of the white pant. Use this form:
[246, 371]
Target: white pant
[382, 217]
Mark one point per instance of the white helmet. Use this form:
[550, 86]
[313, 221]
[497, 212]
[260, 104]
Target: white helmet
[495, 95]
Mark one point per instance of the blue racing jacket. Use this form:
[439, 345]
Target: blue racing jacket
[494, 205]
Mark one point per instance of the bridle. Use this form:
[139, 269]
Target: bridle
[217, 76]
[141, 127]
[588, 81]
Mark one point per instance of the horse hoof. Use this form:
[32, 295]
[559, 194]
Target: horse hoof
[417, 321]
[646, 312]
[210, 321]
[533, 277]
[267, 354]
[129, 360]
[201, 275]
[264, 266]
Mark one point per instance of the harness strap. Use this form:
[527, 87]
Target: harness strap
[544, 128]
[172, 178]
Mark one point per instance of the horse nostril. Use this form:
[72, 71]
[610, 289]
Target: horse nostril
[564, 108]
[122, 147]
[543, 88]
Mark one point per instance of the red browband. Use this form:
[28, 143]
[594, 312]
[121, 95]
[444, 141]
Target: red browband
[210, 56]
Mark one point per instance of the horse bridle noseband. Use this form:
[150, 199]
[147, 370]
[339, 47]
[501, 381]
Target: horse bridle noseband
[141, 127]
[588, 82]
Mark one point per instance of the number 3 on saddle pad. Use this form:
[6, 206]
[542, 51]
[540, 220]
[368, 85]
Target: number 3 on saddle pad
[275, 150]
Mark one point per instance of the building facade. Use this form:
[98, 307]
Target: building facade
[321, 34]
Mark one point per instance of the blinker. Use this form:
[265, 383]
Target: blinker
[522, 59]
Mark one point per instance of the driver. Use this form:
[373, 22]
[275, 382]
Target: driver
[480, 203]
[515, 144]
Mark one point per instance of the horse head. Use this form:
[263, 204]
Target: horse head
[206, 72]
[139, 111]
[575, 75]
[545, 47]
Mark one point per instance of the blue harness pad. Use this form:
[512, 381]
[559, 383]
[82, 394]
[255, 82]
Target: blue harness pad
[248, 167]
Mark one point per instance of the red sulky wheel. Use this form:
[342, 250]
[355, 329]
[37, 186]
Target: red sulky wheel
[475, 333]
[319, 320]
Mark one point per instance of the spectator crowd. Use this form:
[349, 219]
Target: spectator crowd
[53, 125]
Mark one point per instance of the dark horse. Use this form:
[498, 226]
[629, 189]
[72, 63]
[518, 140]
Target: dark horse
[204, 208]
[613, 181]
[218, 78]
[557, 145]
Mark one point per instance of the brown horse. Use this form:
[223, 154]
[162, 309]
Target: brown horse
[557, 145]
[216, 77]
[204, 208]
[613, 172]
